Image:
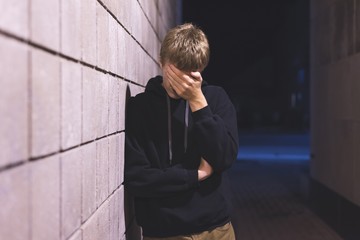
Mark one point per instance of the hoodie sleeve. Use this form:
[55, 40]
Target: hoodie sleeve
[216, 131]
[141, 178]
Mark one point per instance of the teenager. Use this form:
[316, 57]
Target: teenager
[181, 135]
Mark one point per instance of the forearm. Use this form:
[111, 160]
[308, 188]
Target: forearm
[153, 182]
[198, 102]
[217, 142]
[145, 180]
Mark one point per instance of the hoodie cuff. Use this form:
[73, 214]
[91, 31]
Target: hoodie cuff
[205, 112]
[193, 178]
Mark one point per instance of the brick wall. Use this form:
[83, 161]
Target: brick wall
[335, 95]
[66, 70]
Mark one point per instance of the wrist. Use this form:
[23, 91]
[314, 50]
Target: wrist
[197, 102]
[201, 175]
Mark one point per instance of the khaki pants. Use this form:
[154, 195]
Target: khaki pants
[225, 232]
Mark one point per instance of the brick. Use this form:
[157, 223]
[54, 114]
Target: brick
[124, 13]
[136, 26]
[102, 104]
[70, 104]
[45, 23]
[150, 10]
[113, 44]
[45, 198]
[156, 51]
[90, 229]
[116, 202]
[88, 26]
[77, 235]
[150, 69]
[121, 203]
[114, 152]
[145, 57]
[70, 192]
[130, 53]
[14, 200]
[142, 68]
[14, 17]
[141, 56]
[162, 29]
[153, 15]
[114, 217]
[113, 7]
[121, 159]
[103, 50]
[88, 180]
[71, 28]
[114, 103]
[123, 95]
[102, 171]
[103, 223]
[121, 51]
[14, 101]
[89, 104]
[108, 4]
[45, 103]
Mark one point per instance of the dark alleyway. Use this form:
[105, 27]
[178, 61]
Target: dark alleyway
[269, 192]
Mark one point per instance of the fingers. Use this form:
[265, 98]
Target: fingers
[171, 76]
[179, 75]
[186, 85]
[178, 79]
[192, 76]
[196, 75]
[183, 78]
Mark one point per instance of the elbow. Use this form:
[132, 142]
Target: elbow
[226, 159]
[223, 165]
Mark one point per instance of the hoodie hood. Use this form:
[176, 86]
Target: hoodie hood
[154, 85]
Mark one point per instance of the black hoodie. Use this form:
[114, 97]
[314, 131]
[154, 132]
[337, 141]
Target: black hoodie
[169, 200]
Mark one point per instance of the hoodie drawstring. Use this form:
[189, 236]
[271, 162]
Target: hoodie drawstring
[186, 126]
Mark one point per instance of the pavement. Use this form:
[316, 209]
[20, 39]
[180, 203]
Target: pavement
[268, 190]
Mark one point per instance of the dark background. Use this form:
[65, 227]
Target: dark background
[260, 55]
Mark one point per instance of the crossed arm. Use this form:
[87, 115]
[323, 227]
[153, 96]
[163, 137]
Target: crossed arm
[188, 87]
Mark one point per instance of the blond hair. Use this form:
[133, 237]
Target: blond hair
[186, 46]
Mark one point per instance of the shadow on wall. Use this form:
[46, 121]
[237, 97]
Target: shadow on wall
[133, 231]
